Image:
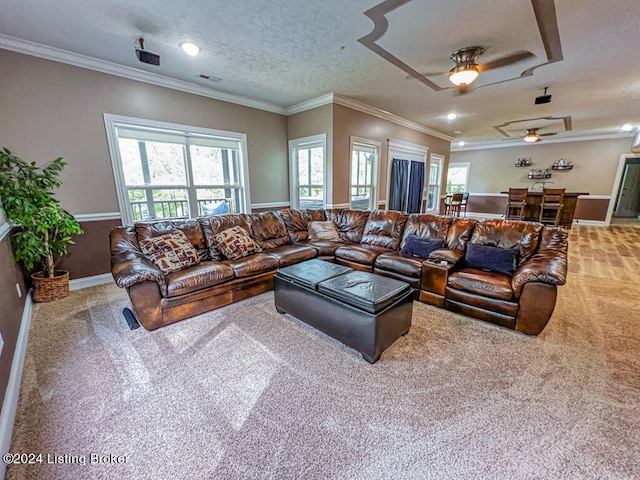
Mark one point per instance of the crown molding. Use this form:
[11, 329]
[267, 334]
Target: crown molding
[582, 138]
[364, 108]
[310, 104]
[103, 66]
[376, 112]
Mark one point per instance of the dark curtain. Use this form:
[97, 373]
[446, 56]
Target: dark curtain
[399, 185]
[416, 186]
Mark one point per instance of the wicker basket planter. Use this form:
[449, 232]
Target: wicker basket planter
[47, 289]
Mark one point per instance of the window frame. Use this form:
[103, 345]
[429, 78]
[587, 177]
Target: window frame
[375, 169]
[466, 165]
[309, 142]
[408, 151]
[112, 121]
[438, 159]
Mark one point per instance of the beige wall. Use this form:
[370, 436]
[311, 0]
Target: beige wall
[596, 163]
[51, 109]
[315, 122]
[348, 122]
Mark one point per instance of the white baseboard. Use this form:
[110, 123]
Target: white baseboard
[10, 405]
[87, 282]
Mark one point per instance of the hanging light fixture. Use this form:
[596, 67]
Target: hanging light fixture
[466, 70]
[532, 136]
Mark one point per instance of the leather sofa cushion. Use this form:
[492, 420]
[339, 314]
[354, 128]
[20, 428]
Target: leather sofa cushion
[508, 234]
[215, 224]
[323, 231]
[290, 254]
[297, 223]
[350, 223]
[488, 284]
[253, 264]
[426, 226]
[268, 230]
[459, 233]
[316, 215]
[446, 254]
[401, 263]
[384, 229]
[503, 307]
[362, 254]
[326, 248]
[204, 275]
[190, 227]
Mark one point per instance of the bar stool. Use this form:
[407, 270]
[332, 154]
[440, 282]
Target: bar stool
[516, 203]
[453, 204]
[463, 204]
[551, 206]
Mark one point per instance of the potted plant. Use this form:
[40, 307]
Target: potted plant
[44, 228]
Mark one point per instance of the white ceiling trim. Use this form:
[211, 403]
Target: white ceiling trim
[363, 107]
[91, 63]
[310, 104]
[583, 138]
[376, 112]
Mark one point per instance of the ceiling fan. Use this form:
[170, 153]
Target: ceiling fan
[533, 136]
[466, 70]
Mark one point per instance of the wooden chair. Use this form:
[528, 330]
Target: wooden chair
[463, 204]
[453, 204]
[551, 206]
[516, 204]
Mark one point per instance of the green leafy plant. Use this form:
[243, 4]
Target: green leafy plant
[45, 229]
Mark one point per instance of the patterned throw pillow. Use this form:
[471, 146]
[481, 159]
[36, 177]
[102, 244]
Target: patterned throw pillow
[235, 243]
[323, 231]
[170, 252]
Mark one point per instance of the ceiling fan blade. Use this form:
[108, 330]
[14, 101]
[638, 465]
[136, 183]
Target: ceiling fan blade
[505, 61]
[547, 134]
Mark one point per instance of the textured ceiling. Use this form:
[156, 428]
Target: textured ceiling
[284, 52]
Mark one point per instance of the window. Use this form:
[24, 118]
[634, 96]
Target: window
[364, 173]
[174, 171]
[307, 167]
[406, 176]
[433, 188]
[457, 177]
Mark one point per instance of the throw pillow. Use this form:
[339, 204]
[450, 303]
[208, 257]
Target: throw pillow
[421, 247]
[323, 231]
[235, 243]
[218, 209]
[493, 259]
[170, 252]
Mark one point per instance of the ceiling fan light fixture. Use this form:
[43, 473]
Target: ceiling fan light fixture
[532, 136]
[461, 75]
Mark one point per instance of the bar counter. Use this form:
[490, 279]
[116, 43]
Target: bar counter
[534, 199]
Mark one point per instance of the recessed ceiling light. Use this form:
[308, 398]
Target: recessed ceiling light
[190, 48]
[457, 132]
[452, 116]
[627, 127]
[461, 143]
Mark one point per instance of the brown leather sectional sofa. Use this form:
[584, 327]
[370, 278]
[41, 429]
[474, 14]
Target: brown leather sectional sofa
[370, 241]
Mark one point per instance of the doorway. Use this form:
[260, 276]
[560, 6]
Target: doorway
[626, 208]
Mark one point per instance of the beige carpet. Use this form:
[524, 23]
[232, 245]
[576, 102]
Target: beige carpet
[244, 393]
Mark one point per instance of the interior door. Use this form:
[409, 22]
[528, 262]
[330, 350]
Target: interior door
[629, 199]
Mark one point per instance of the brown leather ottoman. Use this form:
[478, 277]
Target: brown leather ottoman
[367, 312]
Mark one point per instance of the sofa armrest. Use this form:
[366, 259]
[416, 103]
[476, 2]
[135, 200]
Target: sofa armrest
[131, 267]
[449, 255]
[549, 267]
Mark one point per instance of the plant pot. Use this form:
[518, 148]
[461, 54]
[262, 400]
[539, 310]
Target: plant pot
[46, 289]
